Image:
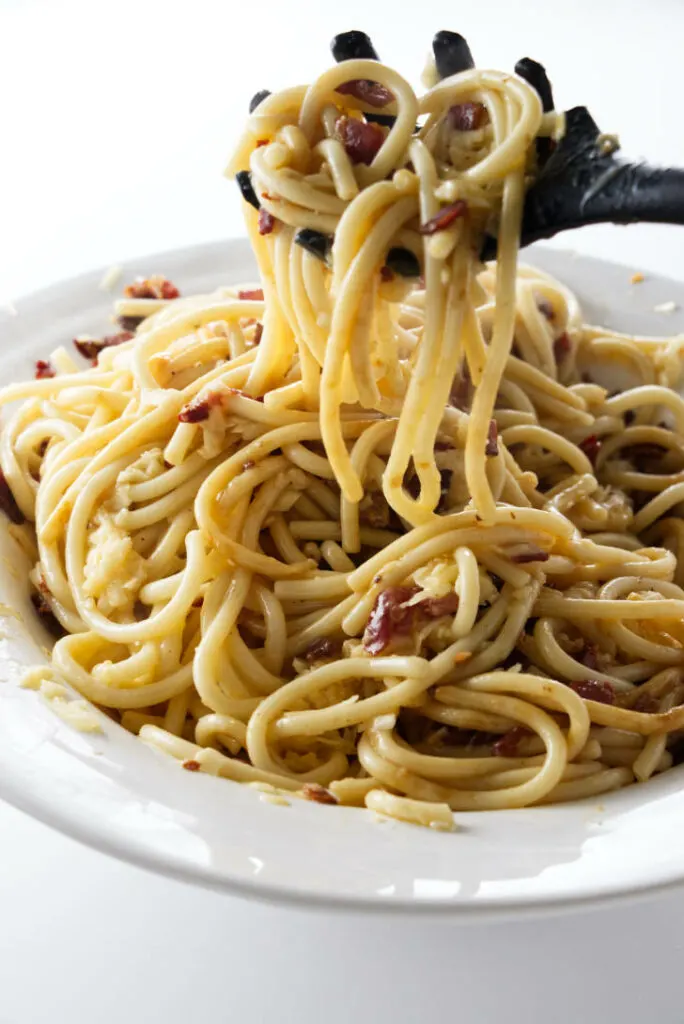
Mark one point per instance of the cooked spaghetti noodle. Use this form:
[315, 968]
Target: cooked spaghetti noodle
[371, 531]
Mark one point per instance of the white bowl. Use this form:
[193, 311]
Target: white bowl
[109, 790]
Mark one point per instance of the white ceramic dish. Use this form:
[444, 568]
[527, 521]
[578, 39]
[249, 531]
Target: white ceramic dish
[112, 792]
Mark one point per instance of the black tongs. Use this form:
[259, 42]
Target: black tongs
[580, 180]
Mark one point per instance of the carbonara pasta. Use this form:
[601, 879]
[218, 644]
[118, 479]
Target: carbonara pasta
[377, 529]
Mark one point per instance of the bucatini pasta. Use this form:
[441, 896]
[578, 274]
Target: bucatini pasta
[374, 529]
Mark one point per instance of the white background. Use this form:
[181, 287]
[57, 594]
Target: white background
[115, 122]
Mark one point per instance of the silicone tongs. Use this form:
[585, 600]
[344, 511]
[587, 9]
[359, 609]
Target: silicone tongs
[580, 179]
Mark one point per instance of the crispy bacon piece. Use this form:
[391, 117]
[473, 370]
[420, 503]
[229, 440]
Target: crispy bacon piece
[445, 218]
[8, 502]
[44, 369]
[461, 394]
[435, 607]
[591, 446]
[266, 222]
[319, 794]
[253, 294]
[258, 331]
[191, 765]
[325, 648]
[373, 93]
[467, 117]
[90, 348]
[492, 446]
[155, 287]
[360, 139]
[129, 323]
[531, 555]
[594, 689]
[199, 409]
[561, 347]
[507, 746]
[391, 616]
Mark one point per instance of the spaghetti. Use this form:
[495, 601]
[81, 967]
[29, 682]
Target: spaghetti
[372, 531]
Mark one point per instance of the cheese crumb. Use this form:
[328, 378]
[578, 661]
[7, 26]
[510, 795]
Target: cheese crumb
[77, 712]
[110, 278]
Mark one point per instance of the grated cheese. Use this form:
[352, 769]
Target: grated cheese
[111, 278]
[77, 712]
[113, 571]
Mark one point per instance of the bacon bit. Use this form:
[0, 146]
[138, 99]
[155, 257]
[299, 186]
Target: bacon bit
[391, 616]
[8, 502]
[129, 323]
[373, 93]
[467, 117]
[461, 393]
[360, 139]
[594, 689]
[386, 274]
[156, 287]
[242, 394]
[44, 369]
[591, 446]
[546, 309]
[251, 294]
[319, 794]
[199, 409]
[191, 765]
[262, 142]
[492, 446]
[258, 331]
[446, 216]
[507, 746]
[436, 607]
[325, 648]
[561, 347]
[45, 613]
[266, 222]
[90, 348]
[533, 555]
